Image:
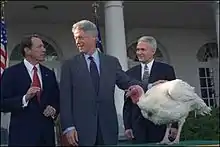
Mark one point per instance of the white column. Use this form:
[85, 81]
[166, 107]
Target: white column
[216, 71]
[217, 21]
[115, 31]
[217, 31]
[116, 46]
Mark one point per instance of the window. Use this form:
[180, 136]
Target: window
[207, 86]
[51, 53]
[208, 71]
[207, 51]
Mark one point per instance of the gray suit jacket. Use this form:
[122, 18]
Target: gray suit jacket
[79, 104]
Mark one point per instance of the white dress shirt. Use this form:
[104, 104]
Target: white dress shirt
[30, 70]
[149, 65]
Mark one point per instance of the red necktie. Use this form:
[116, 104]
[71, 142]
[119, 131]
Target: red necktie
[36, 82]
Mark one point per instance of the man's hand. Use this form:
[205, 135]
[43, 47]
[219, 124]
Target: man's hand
[32, 91]
[158, 82]
[129, 134]
[72, 137]
[49, 111]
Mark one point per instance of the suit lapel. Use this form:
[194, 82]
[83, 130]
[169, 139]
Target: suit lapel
[27, 79]
[83, 70]
[138, 71]
[44, 75]
[83, 64]
[153, 72]
[103, 71]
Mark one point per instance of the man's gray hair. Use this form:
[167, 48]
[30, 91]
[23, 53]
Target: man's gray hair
[149, 39]
[87, 26]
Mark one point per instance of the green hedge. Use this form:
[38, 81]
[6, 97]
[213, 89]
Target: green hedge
[201, 127]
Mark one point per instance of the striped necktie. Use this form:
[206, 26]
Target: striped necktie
[146, 74]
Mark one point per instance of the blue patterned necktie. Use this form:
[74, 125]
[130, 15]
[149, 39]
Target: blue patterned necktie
[94, 74]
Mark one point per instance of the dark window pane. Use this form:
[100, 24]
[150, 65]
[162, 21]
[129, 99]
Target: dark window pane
[207, 72]
[204, 93]
[201, 72]
[206, 101]
[212, 103]
[209, 82]
[203, 82]
[211, 92]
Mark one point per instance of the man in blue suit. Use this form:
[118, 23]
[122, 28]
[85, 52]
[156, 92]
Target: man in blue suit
[137, 128]
[87, 85]
[30, 92]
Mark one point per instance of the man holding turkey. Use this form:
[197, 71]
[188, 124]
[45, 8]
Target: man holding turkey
[137, 128]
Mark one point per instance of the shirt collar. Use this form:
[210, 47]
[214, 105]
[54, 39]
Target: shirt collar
[149, 65]
[29, 66]
[95, 55]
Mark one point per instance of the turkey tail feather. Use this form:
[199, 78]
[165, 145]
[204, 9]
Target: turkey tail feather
[180, 90]
[202, 108]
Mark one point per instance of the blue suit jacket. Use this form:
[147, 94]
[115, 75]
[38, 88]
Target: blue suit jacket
[27, 125]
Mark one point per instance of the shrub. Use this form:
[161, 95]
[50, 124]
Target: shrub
[201, 127]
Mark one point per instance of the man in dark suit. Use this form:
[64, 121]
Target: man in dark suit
[149, 71]
[87, 110]
[30, 92]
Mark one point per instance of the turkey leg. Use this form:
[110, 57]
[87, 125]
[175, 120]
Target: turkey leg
[180, 126]
[165, 138]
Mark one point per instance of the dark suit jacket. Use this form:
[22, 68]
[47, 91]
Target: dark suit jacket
[28, 125]
[143, 129]
[82, 108]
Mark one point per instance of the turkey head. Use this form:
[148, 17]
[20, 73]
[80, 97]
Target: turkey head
[135, 92]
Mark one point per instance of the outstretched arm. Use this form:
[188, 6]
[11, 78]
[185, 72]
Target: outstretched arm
[123, 81]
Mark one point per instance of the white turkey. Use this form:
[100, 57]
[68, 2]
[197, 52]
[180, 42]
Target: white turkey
[168, 102]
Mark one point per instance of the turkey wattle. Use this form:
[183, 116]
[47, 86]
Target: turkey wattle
[168, 102]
